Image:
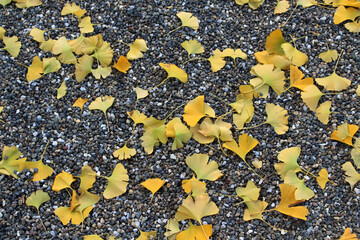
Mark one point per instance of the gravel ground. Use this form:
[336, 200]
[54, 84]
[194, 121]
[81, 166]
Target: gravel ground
[33, 115]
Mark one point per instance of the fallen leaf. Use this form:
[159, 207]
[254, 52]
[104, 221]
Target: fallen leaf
[174, 72]
[117, 182]
[172, 229]
[87, 178]
[288, 161]
[348, 235]
[154, 134]
[302, 191]
[12, 45]
[177, 130]
[204, 170]
[216, 60]
[35, 70]
[249, 193]
[101, 72]
[329, 55]
[311, 96]
[288, 202]
[153, 185]
[37, 34]
[281, 7]
[237, 53]
[103, 104]
[11, 162]
[92, 237]
[80, 103]
[85, 25]
[352, 176]
[37, 198]
[297, 58]
[195, 186]
[43, 171]
[344, 133]
[258, 164]
[2, 30]
[124, 153]
[219, 129]
[146, 235]
[83, 67]
[63, 48]
[4, 3]
[61, 91]
[193, 47]
[276, 117]
[193, 232]
[253, 4]
[27, 3]
[103, 53]
[195, 110]
[62, 180]
[77, 44]
[254, 210]
[51, 65]
[323, 178]
[246, 144]
[334, 82]
[342, 14]
[323, 112]
[122, 64]
[137, 49]
[137, 117]
[274, 42]
[188, 20]
[279, 61]
[296, 79]
[72, 8]
[267, 75]
[306, 3]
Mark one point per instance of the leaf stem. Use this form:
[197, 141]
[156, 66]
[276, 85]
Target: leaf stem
[273, 226]
[132, 132]
[220, 99]
[196, 58]
[175, 29]
[152, 196]
[107, 123]
[286, 89]
[252, 169]
[221, 147]
[124, 43]
[287, 20]
[337, 62]
[238, 203]
[22, 65]
[42, 223]
[225, 114]
[255, 126]
[158, 84]
[255, 88]
[173, 111]
[334, 93]
[307, 172]
[44, 150]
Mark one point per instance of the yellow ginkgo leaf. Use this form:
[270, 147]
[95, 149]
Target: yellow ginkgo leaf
[65, 215]
[124, 153]
[196, 210]
[352, 176]
[146, 235]
[247, 91]
[37, 34]
[246, 144]
[288, 203]
[258, 164]
[342, 14]
[306, 3]
[137, 49]
[87, 178]
[2, 31]
[353, 26]
[253, 4]
[274, 41]
[174, 72]
[61, 91]
[323, 178]
[329, 55]
[77, 44]
[37, 198]
[344, 133]
[244, 106]
[83, 67]
[122, 64]
[11, 163]
[219, 129]
[193, 47]
[85, 25]
[92, 237]
[72, 8]
[348, 235]
[27, 3]
[102, 103]
[12, 45]
[217, 61]
[358, 90]
[43, 171]
[302, 191]
[80, 103]
[62, 180]
[254, 210]
[188, 20]
[195, 186]
[279, 61]
[51, 65]
[177, 130]
[296, 79]
[249, 193]
[35, 70]
[311, 96]
[172, 229]
[199, 137]
[103, 53]
[199, 164]
[193, 232]
[288, 161]
[48, 45]
[333, 82]
[141, 93]
[276, 117]
[117, 182]
[101, 72]
[323, 112]
[295, 56]
[267, 75]
[137, 116]
[282, 6]
[153, 185]
[237, 53]
[63, 48]
[154, 134]
[4, 3]
[195, 110]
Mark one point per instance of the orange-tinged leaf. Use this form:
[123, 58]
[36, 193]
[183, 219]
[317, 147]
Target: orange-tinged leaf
[117, 182]
[334, 82]
[323, 178]
[323, 112]
[352, 176]
[274, 41]
[311, 96]
[288, 202]
[137, 49]
[296, 79]
[297, 58]
[62, 180]
[199, 164]
[348, 235]
[195, 186]
[153, 185]
[195, 110]
[344, 133]
[246, 144]
[196, 210]
[174, 72]
[80, 103]
[193, 232]
[122, 64]
[276, 117]
[188, 20]
[288, 161]
[124, 153]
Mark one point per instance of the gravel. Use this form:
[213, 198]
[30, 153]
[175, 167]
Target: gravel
[33, 116]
